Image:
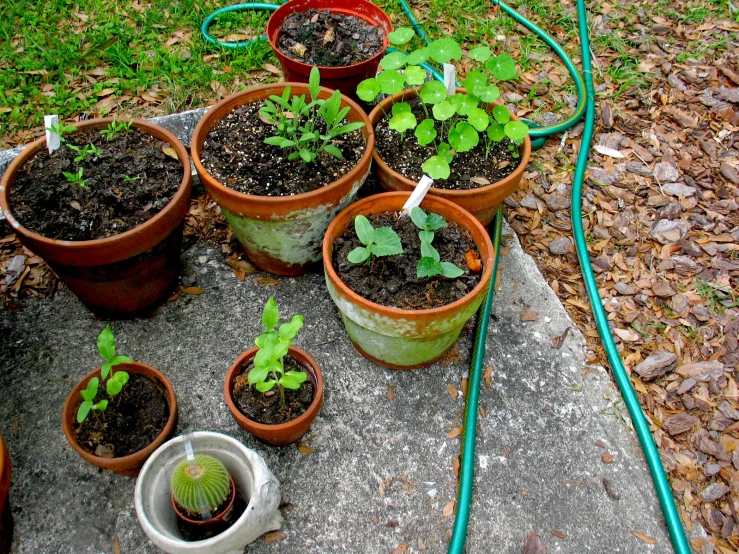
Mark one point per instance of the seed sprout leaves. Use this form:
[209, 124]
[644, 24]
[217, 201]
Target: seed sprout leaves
[396, 60]
[390, 81]
[496, 132]
[463, 137]
[270, 314]
[400, 107]
[445, 151]
[427, 222]
[428, 267]
[425, 132]
[501, 114]
[478, 118]
[414, 75]
[314, 84]
[403, 121]
[433, 92]
[436, 167]
[387, 242]
[480, 54]
[463, 103]
[368, 89]
[401, 36]
[417, 57]
[488, 93]
[474, 80]
[444, 50]
[443, 110]
[516, 130]
[502, 67]
[378, 242]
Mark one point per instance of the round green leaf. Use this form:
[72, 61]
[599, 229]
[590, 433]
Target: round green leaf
[444, 50]
[433, 92]
[475, 79]
[501, 114]
[414, 75]
[418, 216]
[445, 151]
[425, 132]
[428, 267]
[443, 111]
[463, 137]
[480, 54]
[368, 89]
[402, 122]
[400, 107]
[396, 60]
[487, 93]
[463, 103]
[417, 57]
[502, 67]
[391, 82]
[113, 386]
[478, 118]
[436, 167]
[401, 35]
[516, 130]
[496, 132]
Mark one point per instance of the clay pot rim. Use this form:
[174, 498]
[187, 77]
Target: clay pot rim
[487, 258]
[209, 120]
[377, 113]
[74, 399]
[273, 33]
[310, 365]
[5, 469]
[219, 517]
[9, 177]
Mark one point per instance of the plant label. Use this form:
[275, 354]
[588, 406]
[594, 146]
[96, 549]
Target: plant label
[418, 194]
[450, 79]
[53, 140]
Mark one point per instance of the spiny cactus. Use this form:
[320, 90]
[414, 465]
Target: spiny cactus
[212, 478]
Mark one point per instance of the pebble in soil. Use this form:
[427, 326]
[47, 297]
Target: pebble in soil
[469, 170]
[127, 183]
[326, 39]
[266, 407]
[235, 154]
[391, 280]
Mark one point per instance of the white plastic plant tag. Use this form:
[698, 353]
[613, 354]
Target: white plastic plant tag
[450, 79]
[53, 140]
[418, 194]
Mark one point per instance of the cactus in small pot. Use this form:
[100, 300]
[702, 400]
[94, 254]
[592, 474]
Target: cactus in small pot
[206, 474]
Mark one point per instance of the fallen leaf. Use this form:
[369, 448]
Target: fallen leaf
[305, 450]
[628, 335]
[116, 545]
[400, 548]
[16, 428]
[606, 457]
[455, 466]
[272, 69]
[480, 180]
[487, 376]
[390, 393]
[453, 392]
[559, 340]
[473, 261]
[171, 152]
[528, 314]
[274, 536]
[534, 544]
[608, 151]
[642, 537]
[454, 433]
[558, 534]
[192, 290]
[421, 545]
[241, 268]
[449, 508]
[265, 281]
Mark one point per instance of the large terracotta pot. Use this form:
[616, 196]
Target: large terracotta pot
[281, 234]
[392, 337]
[284, 433]
[124, 275]
[6, 517]
[125, 465]
[343, 78]
[483, 201]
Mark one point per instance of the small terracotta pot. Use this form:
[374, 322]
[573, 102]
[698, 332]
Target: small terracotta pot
[125, 465]
[283, 433]
[6, 516]
[343, 78]
[482, 202]
[281, 234]
[125, 275]
[213, 521]
[392, 337]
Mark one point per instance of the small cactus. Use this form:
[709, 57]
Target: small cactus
[213, 480]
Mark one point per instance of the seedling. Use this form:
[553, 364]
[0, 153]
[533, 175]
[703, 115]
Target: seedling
[377, 242]
[116, 126]
[269, 367]
[115, 381]
[76, 178]
[430, 263]
[205, 478]
[86, 150]
[61, 129]
[129, 179]
[297, 121]
[460, 120]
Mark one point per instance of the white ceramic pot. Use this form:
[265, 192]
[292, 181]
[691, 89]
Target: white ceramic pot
[253, 479]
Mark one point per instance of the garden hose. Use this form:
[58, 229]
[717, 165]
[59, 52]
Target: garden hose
[251, 6]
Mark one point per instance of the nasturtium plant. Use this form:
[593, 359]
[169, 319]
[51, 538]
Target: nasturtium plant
[430, 263]
[296, 121]
[274, 344]
[377, 242]
[459, 121]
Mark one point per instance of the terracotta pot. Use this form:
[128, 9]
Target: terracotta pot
[392, 337]
[120, 276]
[125, 465]
[343, 78]
[6, 516]
[482, 202]
[281, 234]
[283, 433]
[213, 522]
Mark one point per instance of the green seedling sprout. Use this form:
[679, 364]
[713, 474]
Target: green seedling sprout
[269, 367]
[129, 179]
[76, 178]
[61, 129]
[115, 381]
[377, 242]
[460, 120]
[86, 150]
[430, 263]
[296, 121]
[116, 126]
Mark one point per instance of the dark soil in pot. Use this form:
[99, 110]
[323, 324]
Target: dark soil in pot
[325, 39]
[266, 407]
[129, 182]
[405, 156]
[133, 419]
[391, 280]
[206, 530]
[235, 154]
